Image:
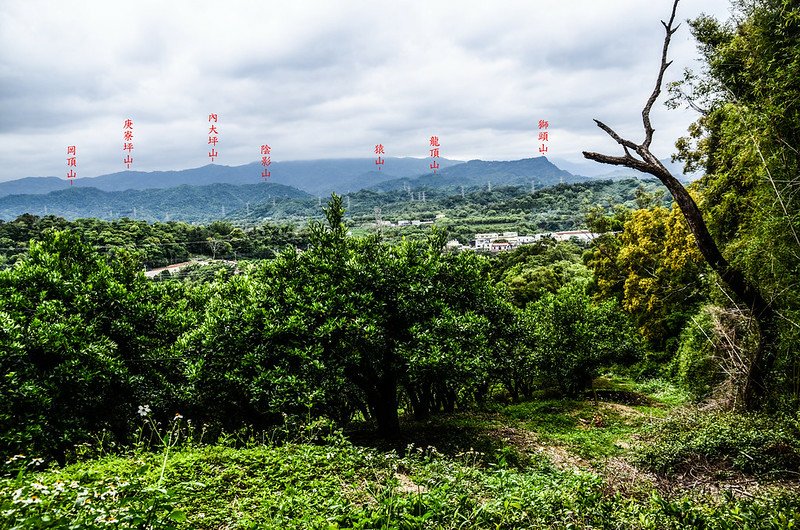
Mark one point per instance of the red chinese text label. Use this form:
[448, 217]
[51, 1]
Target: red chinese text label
[266, 161]
[213, 137]
[544, 135]
[72, 162]
[127, 141]
[434, 152]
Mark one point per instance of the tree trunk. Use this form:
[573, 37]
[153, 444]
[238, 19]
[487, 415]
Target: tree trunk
[755, 389]
[747, 293]
[385, 409]
[450, 400]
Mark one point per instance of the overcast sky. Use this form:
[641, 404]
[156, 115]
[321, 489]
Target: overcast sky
[328, 79]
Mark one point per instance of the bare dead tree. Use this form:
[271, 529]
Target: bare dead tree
[747, 293]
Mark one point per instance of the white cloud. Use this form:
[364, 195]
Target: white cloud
[326, 79]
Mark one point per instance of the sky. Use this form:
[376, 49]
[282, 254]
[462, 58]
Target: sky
[329, 79]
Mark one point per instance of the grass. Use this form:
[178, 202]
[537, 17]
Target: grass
[488, 470]
[344, 486]
[594, 431]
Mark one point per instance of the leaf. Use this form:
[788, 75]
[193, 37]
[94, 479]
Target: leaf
[179, 516]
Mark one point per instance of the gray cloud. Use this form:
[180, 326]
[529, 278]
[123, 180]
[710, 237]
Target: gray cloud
[329, 79]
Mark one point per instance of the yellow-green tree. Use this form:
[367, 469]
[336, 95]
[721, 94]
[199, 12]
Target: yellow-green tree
[654, 267]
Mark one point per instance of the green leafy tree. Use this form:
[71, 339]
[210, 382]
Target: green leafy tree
[656, 271]
[574, 337]
[80, 348]
[347, 325]
[745, 141]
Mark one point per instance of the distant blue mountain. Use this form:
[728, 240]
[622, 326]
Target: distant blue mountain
[210, 192]
[318, 177]
[479, 173]
[34, 185]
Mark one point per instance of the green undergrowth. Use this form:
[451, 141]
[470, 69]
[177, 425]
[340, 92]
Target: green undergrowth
[600, 425]
[754, 444]
[494, 469]
[344, 486]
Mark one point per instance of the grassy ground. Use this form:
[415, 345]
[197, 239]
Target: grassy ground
[543, 464]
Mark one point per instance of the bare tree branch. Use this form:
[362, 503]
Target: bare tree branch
[648, 127]
[615, 136]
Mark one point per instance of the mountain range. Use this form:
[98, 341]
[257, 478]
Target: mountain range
[318, 177]
[211, 191]
[184, 203]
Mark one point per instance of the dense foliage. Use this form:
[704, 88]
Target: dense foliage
[351, 327]
[746, 143]
[81, 342]
[155, 244]
[655, 269]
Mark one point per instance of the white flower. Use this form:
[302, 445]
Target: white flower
[144, 410]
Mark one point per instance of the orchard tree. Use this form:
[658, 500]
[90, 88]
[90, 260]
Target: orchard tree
[574, 337]
[82, 343]
[350, 324]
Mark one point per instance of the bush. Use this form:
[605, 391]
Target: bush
[574, 337]
[81, 341]
[756, 444]
[695, 366]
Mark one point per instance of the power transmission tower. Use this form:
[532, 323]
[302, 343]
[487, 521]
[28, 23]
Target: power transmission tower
[423, 196]
[348, 202]
[561, 179]
[489, 187]
[533, 187]
[223, 211]
[134, 212]
[378, 218]
[462, 192]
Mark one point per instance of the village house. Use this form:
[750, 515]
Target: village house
[502, 241]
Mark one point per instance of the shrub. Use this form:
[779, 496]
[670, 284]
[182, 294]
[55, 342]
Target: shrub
[751, 443]
[694, 364]
[574, 337]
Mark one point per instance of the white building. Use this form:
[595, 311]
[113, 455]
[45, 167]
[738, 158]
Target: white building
[501, 241]
[484, 241]
[581, 235]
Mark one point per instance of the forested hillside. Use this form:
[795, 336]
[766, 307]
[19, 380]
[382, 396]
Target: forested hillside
[183, 203]
[560, 207]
